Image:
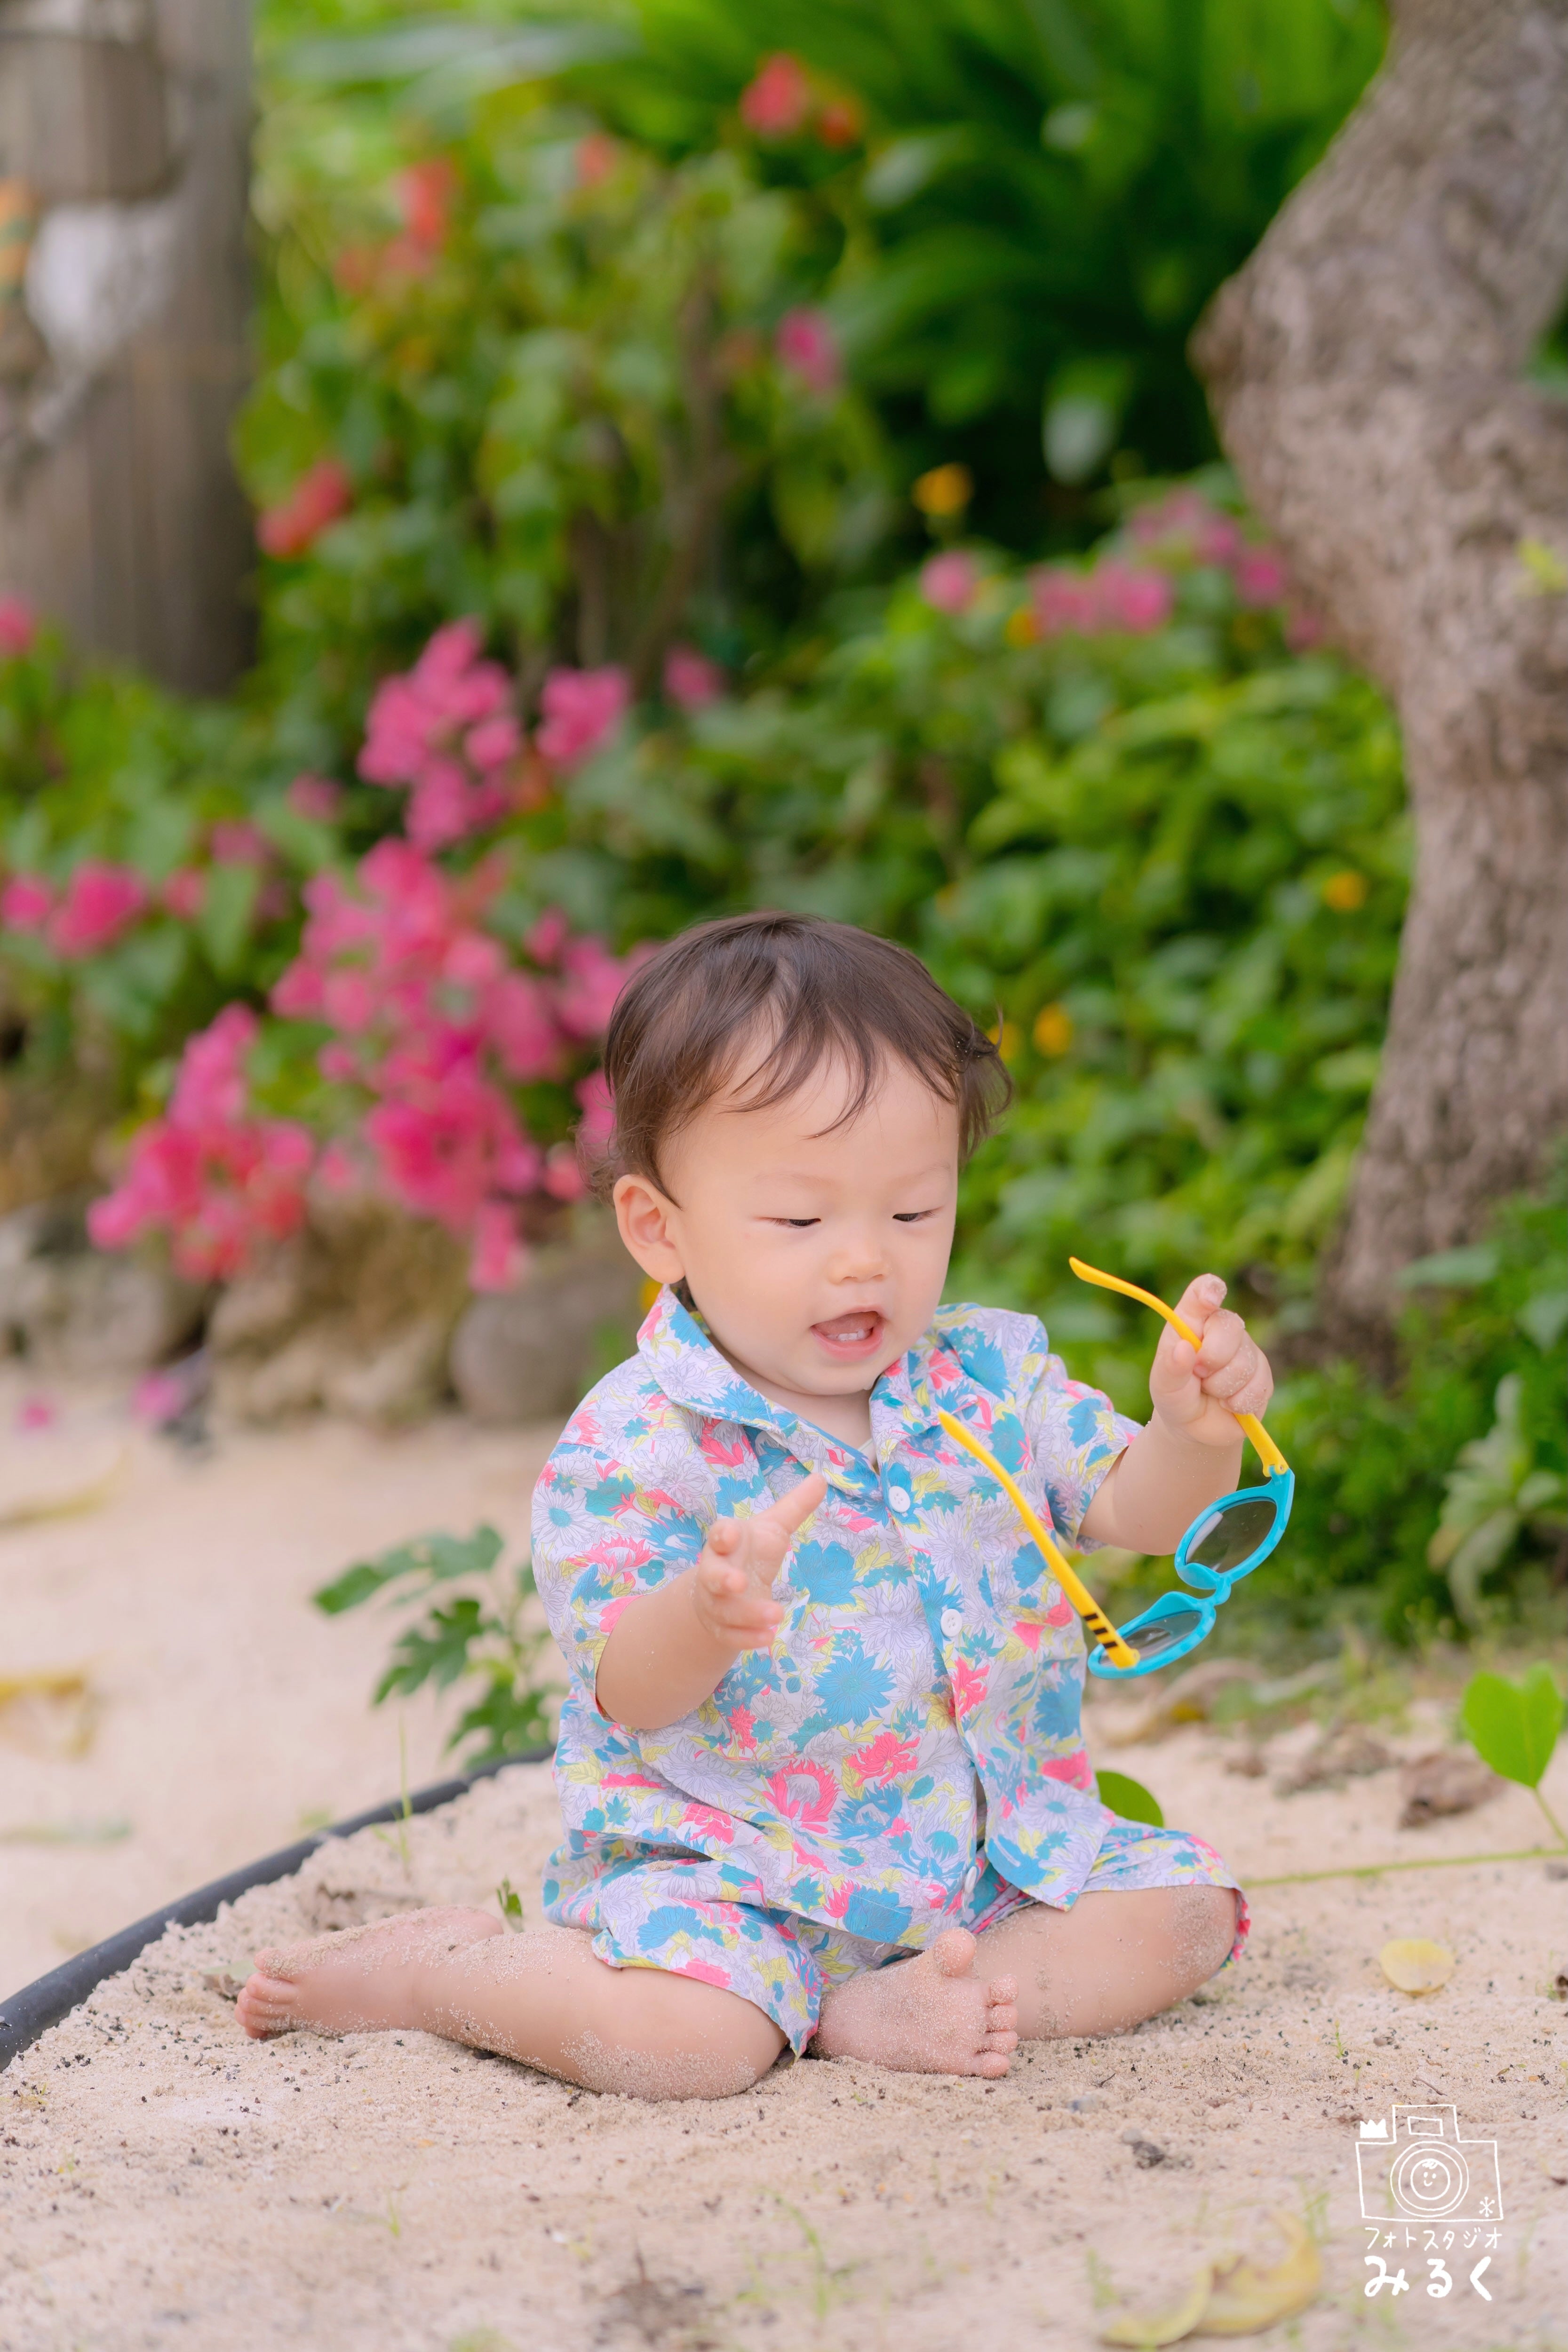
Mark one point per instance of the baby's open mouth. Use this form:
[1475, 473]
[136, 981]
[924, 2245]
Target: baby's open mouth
[856, 1334]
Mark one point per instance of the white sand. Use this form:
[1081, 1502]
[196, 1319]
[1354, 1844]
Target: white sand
[164, 2181]
[231, 1713]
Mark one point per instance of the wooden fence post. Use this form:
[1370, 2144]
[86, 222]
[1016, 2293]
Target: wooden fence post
[124, 301]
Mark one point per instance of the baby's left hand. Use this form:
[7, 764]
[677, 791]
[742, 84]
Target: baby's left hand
[1197, 1393]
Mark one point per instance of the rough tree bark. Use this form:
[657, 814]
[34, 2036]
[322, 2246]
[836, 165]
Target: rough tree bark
[124, 325]
[1365, 370]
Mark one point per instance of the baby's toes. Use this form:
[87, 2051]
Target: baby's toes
[994, 2063]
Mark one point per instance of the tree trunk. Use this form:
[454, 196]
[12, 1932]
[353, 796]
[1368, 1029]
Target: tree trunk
[1366, 372]
[124, 300]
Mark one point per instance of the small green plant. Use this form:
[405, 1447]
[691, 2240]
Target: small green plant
[1514, 1726]
[486, 1635]
[511, 1903]
[1129, 1797]
[1498, 1487]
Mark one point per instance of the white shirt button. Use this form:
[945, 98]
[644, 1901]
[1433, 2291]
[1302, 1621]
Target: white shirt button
[971, 1878]
[953, 1622]
[899, 1497]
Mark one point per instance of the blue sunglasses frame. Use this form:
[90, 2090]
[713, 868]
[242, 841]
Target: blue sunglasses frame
[1212, 1586]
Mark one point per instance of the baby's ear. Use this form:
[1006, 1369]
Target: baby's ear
[644, 1218]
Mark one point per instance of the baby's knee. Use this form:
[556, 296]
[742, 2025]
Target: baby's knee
[1201, 1926]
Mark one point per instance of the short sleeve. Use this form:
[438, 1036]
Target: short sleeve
[1075, 1434]
[602, 1535]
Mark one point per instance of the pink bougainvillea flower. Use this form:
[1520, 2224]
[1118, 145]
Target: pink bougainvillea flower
[1133, 597]
[210, 1175]
[582, 708]
[547, 936]
[597, 1123]
[949, 581]
[315, 797]
[807, 348]
[500, 1258]
[425, 194]
[690, 681]
[184, 893]
[1061, 600]
[564, 1178]
[27, 903]
[433, 726]
[596, 158]
[101, 902]
[523, 1028]
[18, 628]
[317, 500]
[777, 100]
[235, 841]
[1260, 577]
[592, 979]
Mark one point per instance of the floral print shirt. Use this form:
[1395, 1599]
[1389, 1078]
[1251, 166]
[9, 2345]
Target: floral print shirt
[919, 1709]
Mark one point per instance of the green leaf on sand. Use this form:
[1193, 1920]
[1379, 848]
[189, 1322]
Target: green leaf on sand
[1129, 1797]
[1514, 1725]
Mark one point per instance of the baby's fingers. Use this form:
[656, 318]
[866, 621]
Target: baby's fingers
[792, 1510]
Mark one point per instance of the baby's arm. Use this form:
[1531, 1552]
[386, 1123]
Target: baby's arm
[1190, 1453]
[669, 1649]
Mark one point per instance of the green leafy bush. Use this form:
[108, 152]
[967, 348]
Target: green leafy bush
[481, 1625]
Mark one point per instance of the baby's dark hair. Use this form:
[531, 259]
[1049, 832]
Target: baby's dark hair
[803, 991]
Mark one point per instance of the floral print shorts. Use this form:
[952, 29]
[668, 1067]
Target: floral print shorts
[672, 1912]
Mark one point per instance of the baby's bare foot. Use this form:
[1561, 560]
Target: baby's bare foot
[932, 2015]
[354, 1982]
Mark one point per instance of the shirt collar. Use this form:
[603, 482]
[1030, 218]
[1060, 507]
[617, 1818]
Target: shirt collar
[676, 1347]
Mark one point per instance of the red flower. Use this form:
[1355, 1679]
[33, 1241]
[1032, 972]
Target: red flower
[777, 100]
[806, 346]
[317, 500]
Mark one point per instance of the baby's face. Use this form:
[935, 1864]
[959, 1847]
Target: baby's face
[815, 1252]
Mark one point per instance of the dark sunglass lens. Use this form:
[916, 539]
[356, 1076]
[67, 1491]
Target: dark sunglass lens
[1161, 1634]
[1233, 1536]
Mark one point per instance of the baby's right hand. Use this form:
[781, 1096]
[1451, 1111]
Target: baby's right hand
[733, 1584]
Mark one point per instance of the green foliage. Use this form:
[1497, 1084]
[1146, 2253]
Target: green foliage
[1128, 1797]
[1375, 1462]
[1495, 1490]
[1514, 1726]
[99, 764]
[1047, 197]
[1174, 865]
[490, 1637]
[557, 414]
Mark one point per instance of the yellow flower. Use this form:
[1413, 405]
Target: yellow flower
[1020, 629]
[1053, 1029]
[1006, 1037]
[1346, 891]
[945, 490]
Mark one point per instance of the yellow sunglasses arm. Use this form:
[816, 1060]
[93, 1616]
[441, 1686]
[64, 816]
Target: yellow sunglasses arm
[1267, 1453]
[1076, 1591]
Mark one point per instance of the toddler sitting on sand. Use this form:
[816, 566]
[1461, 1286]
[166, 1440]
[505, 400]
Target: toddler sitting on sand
[820, 1761]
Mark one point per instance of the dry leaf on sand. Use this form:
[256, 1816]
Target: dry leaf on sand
[1413, 1965]
[1148, 2328]
[1443, 1783]
[1236, 2296]
[49, 1712]
[1244, 2297]
[49, 1476]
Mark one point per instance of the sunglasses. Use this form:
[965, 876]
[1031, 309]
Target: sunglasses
[1225, 1543]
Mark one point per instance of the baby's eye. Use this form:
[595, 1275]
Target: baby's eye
[911, 1216]
[796, 1224]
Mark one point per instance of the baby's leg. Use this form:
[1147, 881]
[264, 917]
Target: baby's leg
[1113, 1959]
[540, 1997]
